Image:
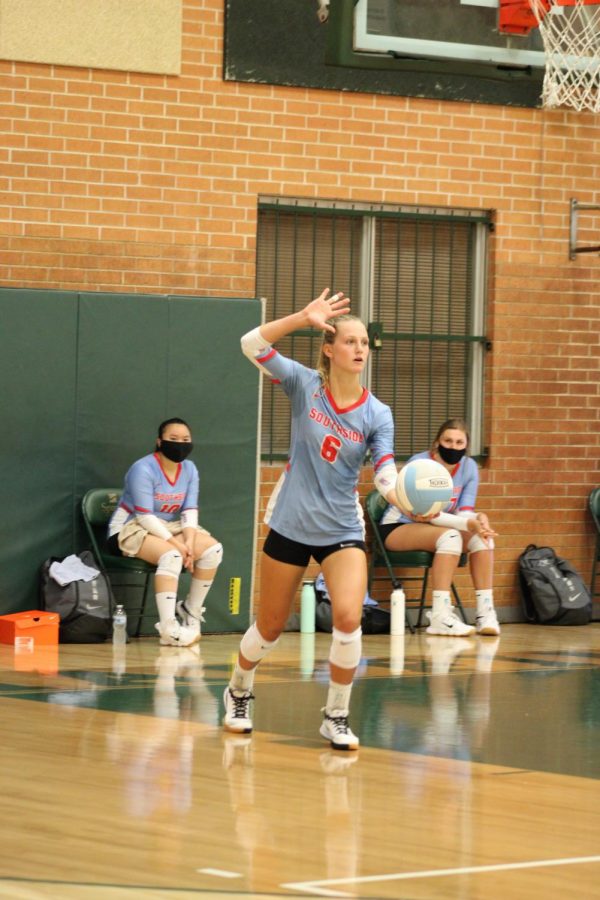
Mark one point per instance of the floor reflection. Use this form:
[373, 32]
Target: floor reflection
[156, 751]
[266, 820]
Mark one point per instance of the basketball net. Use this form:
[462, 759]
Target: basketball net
[571, 36]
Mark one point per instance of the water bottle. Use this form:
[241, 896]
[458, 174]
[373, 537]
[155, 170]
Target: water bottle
[119, 635]
[308, 604]
[397, 611]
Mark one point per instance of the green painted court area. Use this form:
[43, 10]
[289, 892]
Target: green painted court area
[538, 710]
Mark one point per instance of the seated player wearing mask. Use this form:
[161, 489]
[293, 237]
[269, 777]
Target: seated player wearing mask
[157, 521]
[449, 534]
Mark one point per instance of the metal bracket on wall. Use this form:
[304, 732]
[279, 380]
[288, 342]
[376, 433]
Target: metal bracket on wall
[576, 207]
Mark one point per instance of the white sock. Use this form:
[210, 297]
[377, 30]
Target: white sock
[165, 603]
[440, 602]
[194, 602]
[242, 679]
[485, 601]
[338, 698]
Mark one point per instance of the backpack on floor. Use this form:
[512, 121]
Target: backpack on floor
[552, 591]
[84, 607]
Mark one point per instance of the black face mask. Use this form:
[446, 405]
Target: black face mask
[176, 451]
[450, 455]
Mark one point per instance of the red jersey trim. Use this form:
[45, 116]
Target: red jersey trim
[126, 508]
[270, 355]
[383, 460]
[467, 508]
[362, 399]
[142, 509]
[177, 474]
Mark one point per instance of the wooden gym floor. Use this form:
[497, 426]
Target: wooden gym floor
[477, 775]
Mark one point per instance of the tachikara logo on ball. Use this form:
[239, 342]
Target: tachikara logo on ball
[424, 487]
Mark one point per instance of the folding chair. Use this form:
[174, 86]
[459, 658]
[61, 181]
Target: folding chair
[97, 507]
[401, 559]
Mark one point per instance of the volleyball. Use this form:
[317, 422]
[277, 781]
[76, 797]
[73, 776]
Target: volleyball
[423, 487]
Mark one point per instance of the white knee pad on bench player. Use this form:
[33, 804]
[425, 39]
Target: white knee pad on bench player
[170, 564]
[477, 543]
[345, 648]
[253, 646]
[211, 558]
[449, 542]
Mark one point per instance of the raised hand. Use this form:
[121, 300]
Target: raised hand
[324, 307]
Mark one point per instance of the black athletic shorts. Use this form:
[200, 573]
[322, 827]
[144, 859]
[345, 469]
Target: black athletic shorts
[386, 530]
[113, 545]
[286, 550]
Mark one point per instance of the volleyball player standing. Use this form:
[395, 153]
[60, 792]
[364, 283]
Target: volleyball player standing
[315, 509]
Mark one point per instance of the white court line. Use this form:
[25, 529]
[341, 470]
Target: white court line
[317, 887]
[219, 873]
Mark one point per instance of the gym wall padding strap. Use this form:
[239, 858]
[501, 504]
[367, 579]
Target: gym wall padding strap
[86, 379]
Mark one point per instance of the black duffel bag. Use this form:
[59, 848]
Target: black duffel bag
[374, 619]
[84, 607]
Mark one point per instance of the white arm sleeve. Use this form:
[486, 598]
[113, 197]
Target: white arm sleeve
[189, 518]
[449, 520]
[385, 479]
[253, 345]
[153, 525]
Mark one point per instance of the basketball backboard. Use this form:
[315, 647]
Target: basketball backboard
[454, 31]
[259, 49]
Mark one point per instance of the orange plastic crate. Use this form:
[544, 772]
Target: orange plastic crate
[36, 624]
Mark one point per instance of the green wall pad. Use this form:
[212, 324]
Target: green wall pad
[86, 380]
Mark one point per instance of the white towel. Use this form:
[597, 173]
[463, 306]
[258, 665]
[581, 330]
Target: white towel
[72, 569]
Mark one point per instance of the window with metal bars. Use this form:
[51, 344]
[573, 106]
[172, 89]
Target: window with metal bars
[417, 278]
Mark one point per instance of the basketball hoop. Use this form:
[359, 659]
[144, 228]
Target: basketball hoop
[570, 30]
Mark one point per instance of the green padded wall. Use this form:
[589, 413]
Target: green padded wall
[38, 352]
[87, 378]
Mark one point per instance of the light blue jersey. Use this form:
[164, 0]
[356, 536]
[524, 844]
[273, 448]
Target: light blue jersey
[316, 500]
[465, 480]
[148, 490]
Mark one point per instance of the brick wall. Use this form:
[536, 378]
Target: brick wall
[116, 181]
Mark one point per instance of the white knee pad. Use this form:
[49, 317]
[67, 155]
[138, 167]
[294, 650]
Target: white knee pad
[345, 648]
[477, 543]
[253, 646]
[211, 558]
[170, 564]
[449, 542]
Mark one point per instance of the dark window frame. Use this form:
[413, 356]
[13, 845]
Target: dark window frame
[339, 248]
